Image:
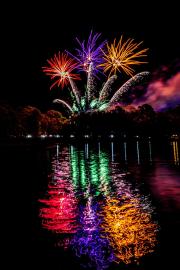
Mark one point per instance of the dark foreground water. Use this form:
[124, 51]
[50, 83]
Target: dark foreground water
[113, 205]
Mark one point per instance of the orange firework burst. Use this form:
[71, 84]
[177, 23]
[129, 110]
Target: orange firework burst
[122, 56]
[60, 69]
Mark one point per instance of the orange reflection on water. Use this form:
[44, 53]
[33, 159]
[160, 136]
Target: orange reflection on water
[129, 228]
[175, 152]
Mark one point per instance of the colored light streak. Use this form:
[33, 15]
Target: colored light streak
[89, 241]
[129, 228]
[87, 150]
[125, 151]
[117, 228]
[58, 209]
[94, 173]
[137, 149]
[150, 150]
[74, 167]
[104, 173]
[175, 152]
[89, 175]
[112, 151]
[83, 172]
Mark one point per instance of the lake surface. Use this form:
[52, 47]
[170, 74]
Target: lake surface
[95, 205]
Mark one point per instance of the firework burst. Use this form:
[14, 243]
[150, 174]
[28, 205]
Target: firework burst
[92, 58]
[89, 53]
[122, 56]
[60, 69]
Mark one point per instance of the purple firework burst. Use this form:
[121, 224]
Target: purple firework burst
[90, 53]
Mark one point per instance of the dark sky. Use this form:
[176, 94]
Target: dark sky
[32, 33]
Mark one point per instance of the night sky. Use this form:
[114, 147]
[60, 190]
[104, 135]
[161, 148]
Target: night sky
[33, 33]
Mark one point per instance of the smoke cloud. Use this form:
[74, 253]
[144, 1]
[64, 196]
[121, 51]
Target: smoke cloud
[161, 94]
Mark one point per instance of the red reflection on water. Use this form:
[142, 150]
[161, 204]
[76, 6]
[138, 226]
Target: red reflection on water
[59, 207]
[59, 213]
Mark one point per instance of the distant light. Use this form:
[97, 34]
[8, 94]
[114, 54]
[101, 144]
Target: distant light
[111, 136]
[174, 136]
[86, 136]
[29, 136]
[72, 136]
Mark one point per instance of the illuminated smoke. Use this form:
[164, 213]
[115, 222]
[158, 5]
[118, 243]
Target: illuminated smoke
[162, 94]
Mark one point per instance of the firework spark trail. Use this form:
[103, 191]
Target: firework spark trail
[60, 68]
[75, 91]
[126, 86]
[90, 83]
[107, 88]
[121, 56]
[64, 103]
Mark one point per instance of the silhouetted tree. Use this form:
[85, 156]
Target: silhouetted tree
[30, 119]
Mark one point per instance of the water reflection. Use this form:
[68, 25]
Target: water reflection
[125, 151]
[112, 151]
[90, 199]
[129, 227]
[150, 151]
[89, 243]
[138, 155]
[175, 152]
[59, 207]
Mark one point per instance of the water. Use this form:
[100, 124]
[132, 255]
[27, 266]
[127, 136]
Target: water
[113, 205]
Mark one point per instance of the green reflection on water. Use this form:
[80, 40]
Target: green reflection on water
[91, 175]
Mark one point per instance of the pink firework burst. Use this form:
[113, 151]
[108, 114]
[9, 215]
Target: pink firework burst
[60, 69]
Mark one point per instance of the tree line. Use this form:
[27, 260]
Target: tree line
[142, 121]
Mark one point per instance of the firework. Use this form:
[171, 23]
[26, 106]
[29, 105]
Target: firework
[60, 69]
[127, 85]
[121, 56]
[64, 103]
[90, 84]
[107, 88]
[89, 53]
[91, 57]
